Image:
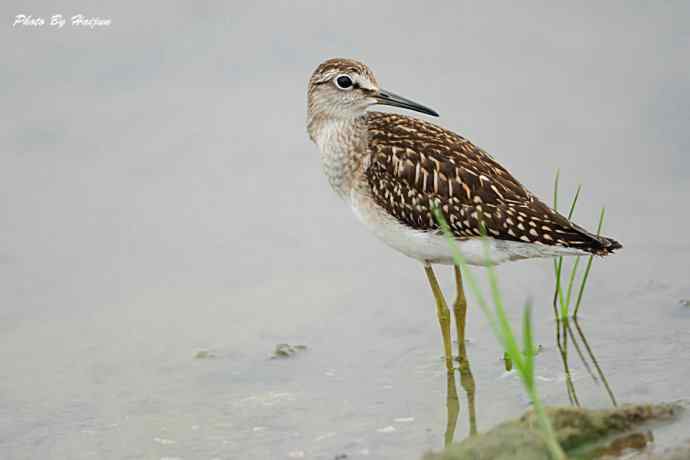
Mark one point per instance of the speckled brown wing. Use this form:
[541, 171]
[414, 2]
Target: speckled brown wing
[414, 162]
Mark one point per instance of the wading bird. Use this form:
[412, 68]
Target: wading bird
[393, 170]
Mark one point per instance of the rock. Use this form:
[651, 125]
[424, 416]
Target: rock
[586, 431]
[204, 354]
[284, 350]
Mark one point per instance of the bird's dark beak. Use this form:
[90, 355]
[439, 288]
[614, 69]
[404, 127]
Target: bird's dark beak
[387, 98]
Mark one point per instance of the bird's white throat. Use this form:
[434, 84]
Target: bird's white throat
[339, 140]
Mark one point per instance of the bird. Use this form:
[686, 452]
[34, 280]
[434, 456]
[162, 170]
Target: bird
[395, 171]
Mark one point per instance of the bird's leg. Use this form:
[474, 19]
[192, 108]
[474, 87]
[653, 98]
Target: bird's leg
[443, 314]
[460, 310]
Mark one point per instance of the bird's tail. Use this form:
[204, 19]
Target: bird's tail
[597, 245]
[608, 246]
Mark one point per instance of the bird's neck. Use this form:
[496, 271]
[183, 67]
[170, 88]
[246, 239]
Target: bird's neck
[343, 146]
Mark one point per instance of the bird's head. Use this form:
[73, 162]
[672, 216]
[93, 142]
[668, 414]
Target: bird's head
[345, 88]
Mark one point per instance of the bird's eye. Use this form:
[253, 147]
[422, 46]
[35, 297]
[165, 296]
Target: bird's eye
[343, 82]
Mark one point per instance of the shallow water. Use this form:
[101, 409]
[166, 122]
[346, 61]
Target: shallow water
[160, 198]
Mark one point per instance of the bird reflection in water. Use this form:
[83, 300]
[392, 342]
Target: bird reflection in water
[466, 377]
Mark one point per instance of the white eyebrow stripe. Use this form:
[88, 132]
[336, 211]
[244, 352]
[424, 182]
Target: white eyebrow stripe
[363, 82]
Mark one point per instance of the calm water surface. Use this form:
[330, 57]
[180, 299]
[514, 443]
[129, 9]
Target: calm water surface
[160, 197]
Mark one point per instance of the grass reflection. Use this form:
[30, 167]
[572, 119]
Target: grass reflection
[565, 331]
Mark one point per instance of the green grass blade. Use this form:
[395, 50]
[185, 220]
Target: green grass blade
[555, 190]
[550, 436]
[497, 318]
[500, 325]
[600, 226]
[564, 298]
[557, 263]
[506, 332]
[459, 260]
[572, 205]
[559, 289]
[573, 272]
[528, 342]
[582, 285]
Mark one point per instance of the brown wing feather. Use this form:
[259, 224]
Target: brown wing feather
[414, 163]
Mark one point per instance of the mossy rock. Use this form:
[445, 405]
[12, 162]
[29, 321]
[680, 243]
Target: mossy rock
[582, 433]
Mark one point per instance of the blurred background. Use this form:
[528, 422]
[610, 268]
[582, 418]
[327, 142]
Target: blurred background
[159, 197]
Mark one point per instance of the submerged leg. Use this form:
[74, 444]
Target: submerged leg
[467, 382]
[466, 377]
[460, 310]
[443, 314]
[453, 408]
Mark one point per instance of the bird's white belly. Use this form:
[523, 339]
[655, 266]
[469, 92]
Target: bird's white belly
[433, 247]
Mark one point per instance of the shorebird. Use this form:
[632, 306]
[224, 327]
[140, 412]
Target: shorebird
[394, 170]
